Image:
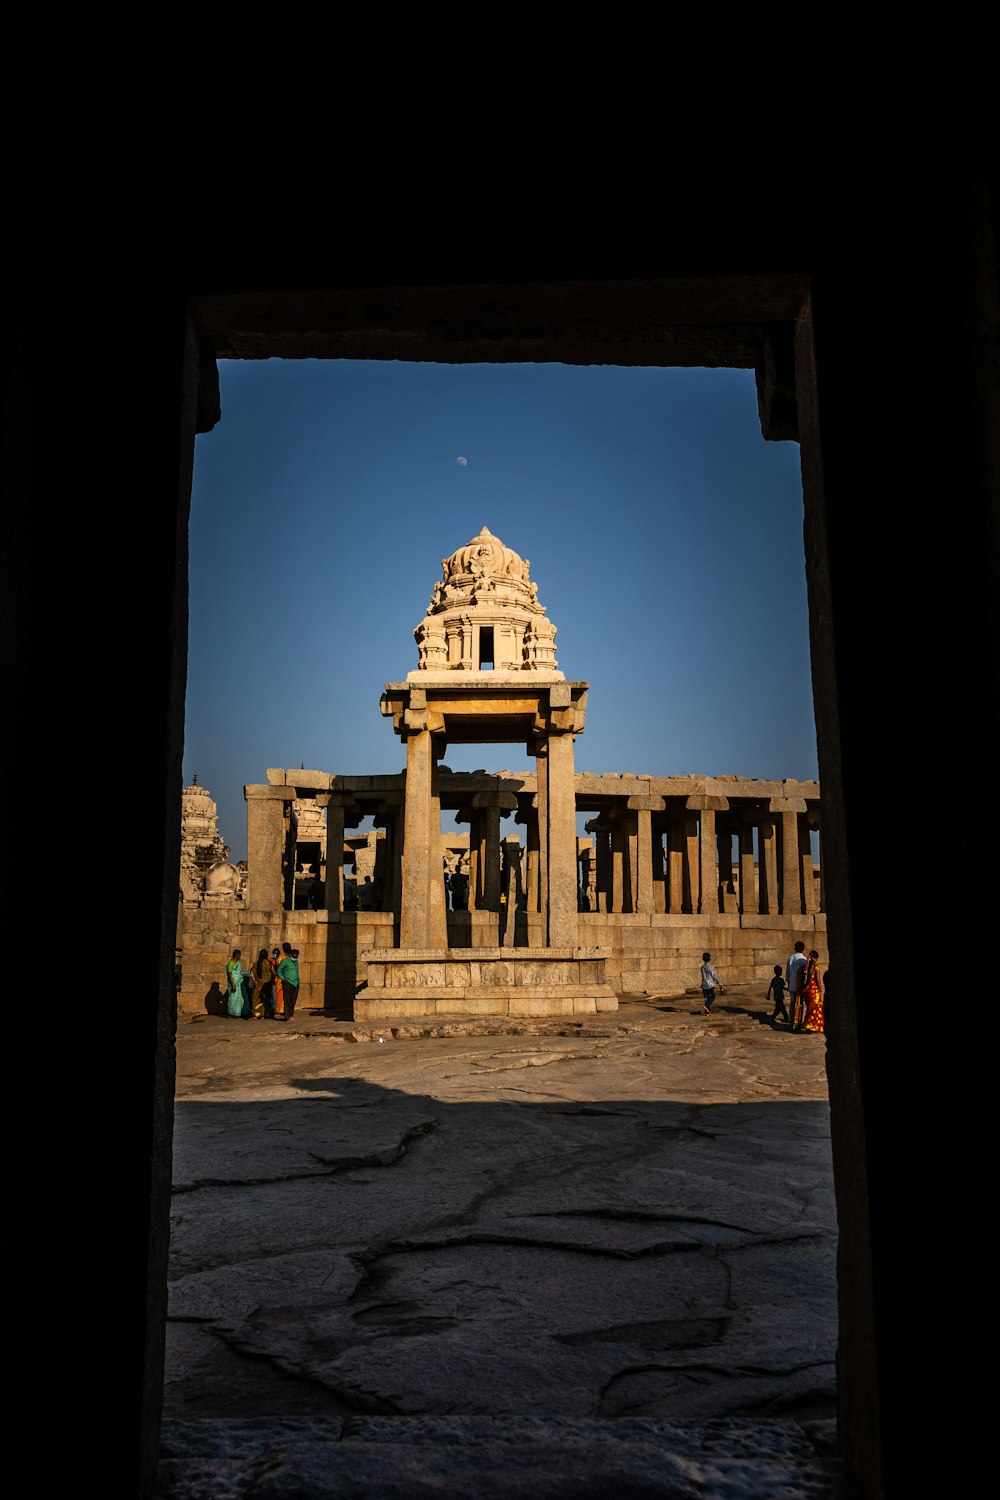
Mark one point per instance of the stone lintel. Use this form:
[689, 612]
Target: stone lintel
[269, 793]
[300, 777]
[369, 786]
[453, 695]
[504, 800]
[309, 780]
[350, 799]
[615, 783]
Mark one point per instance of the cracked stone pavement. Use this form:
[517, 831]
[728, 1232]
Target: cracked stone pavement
[627, 1219]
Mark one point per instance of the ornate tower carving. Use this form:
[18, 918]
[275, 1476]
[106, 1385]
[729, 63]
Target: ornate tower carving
[484, 615]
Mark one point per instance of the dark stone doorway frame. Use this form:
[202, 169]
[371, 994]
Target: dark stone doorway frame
[900, 405]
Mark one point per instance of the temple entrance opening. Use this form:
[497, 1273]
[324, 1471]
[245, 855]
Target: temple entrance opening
[499, 1163]
[644, 870]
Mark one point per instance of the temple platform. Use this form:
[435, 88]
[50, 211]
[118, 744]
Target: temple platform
[404, 982]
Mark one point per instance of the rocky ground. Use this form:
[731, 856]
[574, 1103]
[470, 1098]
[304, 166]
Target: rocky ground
[502, 1258]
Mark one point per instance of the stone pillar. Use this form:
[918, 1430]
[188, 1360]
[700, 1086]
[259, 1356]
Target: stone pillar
[641, 810]
[467, 815]
[727, 888]
[266, 838]
[467, 660]
[808, 872]
[708, 870]
[748, 869]
[768, 867]
[620, 898]
[661, 902]
[675, 866]
[334, 856]
[542, 803]
[631, 859]
[341, 813]
[692, 867]
[529, 817]
[490, 807]
[560, 852]
[511, 883]
[438, 894]
[791, 869]
[415, 913]
[477, 859]
[706, 804]
[588, 873]
[602, 856]
[491, 882]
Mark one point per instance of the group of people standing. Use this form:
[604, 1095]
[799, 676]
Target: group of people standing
[267, 990]
[801, 983]
[803, 986]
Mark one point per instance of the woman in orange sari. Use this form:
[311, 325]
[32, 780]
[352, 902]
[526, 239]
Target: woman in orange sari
[812, 994]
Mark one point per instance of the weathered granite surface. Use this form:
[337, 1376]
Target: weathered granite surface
[618, 1230]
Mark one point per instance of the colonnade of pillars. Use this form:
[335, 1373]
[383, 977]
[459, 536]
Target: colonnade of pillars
[550, 875]
[651, 857]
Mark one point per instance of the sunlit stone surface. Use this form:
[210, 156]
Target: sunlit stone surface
[608, 1241]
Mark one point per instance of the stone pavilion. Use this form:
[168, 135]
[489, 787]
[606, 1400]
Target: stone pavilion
[555, 923]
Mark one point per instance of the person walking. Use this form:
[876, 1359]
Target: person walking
[710, 982]
[776, 992]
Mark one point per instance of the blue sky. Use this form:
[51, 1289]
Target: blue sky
[664, 534]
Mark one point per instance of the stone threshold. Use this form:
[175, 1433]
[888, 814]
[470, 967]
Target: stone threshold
[506, 1457]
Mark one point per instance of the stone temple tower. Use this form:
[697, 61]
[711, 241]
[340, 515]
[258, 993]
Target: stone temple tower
[487, 674]
[484, 615]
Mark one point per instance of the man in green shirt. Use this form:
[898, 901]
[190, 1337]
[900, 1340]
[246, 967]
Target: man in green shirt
[288, 973]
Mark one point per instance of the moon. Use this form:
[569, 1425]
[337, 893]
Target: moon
[462, 461]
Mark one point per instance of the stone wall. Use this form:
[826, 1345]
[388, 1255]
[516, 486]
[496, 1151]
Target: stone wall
[329, 948]
[655, 954]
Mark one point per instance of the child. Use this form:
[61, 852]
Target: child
[776, 991]
[709, 982]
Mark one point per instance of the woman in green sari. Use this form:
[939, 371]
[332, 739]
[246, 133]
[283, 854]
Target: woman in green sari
[237, 1000]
